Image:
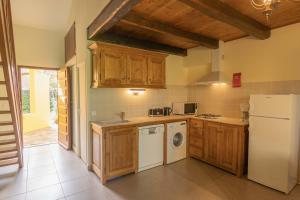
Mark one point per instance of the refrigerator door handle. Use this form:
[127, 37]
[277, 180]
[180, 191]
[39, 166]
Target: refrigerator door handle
[269, 117]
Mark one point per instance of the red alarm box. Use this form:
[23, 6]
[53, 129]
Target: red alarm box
[236, 80]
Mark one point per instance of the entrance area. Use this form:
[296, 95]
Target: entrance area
[39, 106]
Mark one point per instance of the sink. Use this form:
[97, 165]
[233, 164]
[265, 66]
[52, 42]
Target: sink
[118, 122]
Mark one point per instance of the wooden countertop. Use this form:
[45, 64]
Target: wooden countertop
[144, 121]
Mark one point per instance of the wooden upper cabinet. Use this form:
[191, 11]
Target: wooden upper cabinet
[137, 69]
[156, 71]
[112, 68]
[95, 68]
[119, 66]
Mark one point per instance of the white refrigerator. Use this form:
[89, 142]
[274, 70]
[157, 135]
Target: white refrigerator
[274, 129]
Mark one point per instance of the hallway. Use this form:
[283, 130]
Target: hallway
[43, 136]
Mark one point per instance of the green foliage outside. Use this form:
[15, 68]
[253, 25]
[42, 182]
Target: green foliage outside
[26, 101]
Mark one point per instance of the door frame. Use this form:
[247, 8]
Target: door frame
[19, 67]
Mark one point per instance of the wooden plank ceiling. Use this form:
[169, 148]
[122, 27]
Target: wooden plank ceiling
[173, 26]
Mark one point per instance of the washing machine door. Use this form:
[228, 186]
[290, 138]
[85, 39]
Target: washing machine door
[177, 140]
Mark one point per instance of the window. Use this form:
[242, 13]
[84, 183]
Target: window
[25, 90]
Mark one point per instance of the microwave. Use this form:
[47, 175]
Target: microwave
[185, 108]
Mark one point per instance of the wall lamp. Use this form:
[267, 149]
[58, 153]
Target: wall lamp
[136, 91]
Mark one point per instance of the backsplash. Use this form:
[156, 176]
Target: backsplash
[225, 100]
[108, 103]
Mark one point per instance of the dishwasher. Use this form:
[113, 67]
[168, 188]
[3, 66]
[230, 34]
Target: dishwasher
[151, 146]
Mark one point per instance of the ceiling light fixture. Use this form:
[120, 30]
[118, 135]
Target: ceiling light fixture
[136, 91]
[268, 6]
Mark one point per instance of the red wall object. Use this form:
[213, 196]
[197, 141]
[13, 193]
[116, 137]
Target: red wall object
[236, 80]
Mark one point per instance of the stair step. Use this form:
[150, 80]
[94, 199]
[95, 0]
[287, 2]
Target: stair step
[9, 154]
[6, 123]
[3, 98]
[5, 133]
[10, 161]
[7, 141]
[5, 112]
[2, 82]
[7, 149]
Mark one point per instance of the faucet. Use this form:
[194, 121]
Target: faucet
[122, 116]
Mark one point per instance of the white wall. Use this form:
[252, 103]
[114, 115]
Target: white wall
[36, 47]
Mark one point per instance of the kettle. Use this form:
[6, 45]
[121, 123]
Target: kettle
[167, 111]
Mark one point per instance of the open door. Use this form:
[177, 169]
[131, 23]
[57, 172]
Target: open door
[64, 108]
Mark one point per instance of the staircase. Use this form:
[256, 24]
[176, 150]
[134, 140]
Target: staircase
[10, 101]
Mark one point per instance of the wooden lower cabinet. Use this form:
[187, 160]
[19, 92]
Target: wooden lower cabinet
[196, 139]
[114, 152]
[223, 145]
[228, 148]
[211, 142]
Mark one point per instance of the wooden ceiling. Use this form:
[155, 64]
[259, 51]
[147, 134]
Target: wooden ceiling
[173, 26]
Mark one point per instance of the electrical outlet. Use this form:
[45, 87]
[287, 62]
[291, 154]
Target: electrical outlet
[94, 113]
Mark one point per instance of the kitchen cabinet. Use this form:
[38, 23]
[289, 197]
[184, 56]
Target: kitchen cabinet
[222, 145]
[112, 68]
[114, 152]
[156, 71]
[119, 66]
[196, 146]
[137, 70]
[228, 148]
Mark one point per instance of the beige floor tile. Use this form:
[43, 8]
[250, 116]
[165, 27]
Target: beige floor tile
[17, 197]
[40, 182]
[11, 187]
[77, 185]
[48, 193]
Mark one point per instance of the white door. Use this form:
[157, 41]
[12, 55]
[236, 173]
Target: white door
[277, 106]
[269, 152]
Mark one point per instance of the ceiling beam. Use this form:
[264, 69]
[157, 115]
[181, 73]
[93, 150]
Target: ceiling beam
[227, 14]
[141, 44]
[136, 20]
[109, 16]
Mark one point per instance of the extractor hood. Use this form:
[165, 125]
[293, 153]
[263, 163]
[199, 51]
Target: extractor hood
[216, 76]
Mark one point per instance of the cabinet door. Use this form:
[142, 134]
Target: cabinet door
[228, 148]
[96, 64]
[137, 70]
[156, 71]
[113, 68]
[212, 130]
[121, 152]
[196, 146]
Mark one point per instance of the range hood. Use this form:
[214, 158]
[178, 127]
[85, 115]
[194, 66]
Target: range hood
[216, 76]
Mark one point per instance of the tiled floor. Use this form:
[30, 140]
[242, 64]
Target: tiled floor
[53, 173]
[41, 137]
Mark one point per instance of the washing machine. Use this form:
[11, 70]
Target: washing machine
[176, 141]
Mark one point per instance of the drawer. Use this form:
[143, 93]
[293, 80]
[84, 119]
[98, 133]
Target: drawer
[197, 132]
[196, 141]
[196, 123]
[196, 151]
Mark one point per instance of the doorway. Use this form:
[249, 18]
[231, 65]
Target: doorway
[39, 92]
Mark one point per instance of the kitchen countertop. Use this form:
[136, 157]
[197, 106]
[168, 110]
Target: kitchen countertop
[143, 121]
